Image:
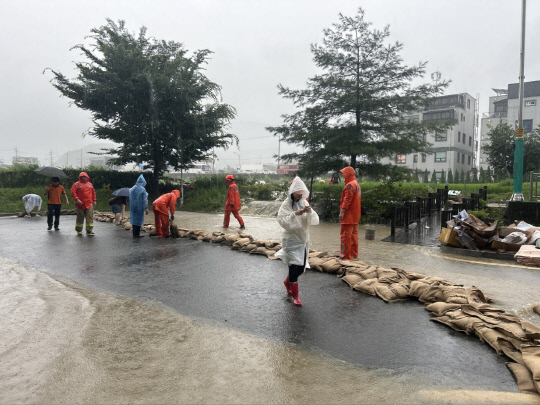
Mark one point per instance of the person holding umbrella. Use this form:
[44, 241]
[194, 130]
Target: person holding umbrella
[138, 206]
[84, 194]
[54, 192]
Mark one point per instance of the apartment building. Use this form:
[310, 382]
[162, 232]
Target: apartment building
[503, 109]
[453, 149]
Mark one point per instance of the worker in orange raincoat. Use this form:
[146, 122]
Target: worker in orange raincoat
[232, 203]
[349, 214]
[161, 208]
[84, 194]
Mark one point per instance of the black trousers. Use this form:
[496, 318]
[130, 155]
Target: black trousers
[53, 210]
[296, 271]
[136, 230]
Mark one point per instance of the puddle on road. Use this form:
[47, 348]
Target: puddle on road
[63, 343]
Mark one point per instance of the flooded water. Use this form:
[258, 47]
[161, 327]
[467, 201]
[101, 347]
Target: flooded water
[64, 343]
[513, 287]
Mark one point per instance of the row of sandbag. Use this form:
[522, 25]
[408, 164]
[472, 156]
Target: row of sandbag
[464, 309]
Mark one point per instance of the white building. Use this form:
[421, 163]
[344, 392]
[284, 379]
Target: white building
[453, 149]
[503, 109]
[26, 161]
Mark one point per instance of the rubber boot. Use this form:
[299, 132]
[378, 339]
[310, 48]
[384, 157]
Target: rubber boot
[294, 290]
[287, 285]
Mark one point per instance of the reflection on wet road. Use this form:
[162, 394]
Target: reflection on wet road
[225, 287]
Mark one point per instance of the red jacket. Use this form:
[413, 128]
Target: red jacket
[84, 192]
[232, 202]
[351, 197]
[166, 202]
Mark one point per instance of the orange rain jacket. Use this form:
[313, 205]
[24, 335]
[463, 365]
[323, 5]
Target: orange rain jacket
[84, 192]
[232, 202]
[351, 197]
[166, 202]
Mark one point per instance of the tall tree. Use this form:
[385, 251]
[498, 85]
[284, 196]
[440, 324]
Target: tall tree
[356, 110]
[500, 149]
[151, 97]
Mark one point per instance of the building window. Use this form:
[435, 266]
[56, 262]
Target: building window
[423, 158]
[459, 136]
[469, 160]
[468, 104]
[401, 159]
[440, 156]
[439, 115]
[470, 140]
[415, 158]
[530, 103]
[458, 157]
[463, 158]
[464, 136]
[440, 136]
[528, 125]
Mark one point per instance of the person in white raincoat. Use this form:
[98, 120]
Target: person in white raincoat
[30, 201]
[295, 216]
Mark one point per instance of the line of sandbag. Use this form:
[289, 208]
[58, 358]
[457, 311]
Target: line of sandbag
[464, 309]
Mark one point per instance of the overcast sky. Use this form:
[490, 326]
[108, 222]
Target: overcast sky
[257, 44]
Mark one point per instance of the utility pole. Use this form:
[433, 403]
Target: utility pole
[518, 152]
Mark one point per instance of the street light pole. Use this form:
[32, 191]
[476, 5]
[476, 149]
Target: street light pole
[518, 152]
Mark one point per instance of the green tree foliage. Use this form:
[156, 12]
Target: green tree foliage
[150, 97]
[457, 178]
[500, 150]
[443, 177]
[426, 176]
[482, 178]
[354, 112]
[434, 177]
[475, 176]
[450, 177]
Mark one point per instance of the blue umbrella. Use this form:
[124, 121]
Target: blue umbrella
[122, 192]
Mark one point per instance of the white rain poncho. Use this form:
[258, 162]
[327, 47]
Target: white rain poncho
[295, 241]
[31, 201]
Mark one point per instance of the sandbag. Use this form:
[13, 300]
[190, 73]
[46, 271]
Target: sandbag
[348, 269]
[392, 292]
[331, 266]
[230, 238]
[531, 358]
[387, 275]
[249, 247]
[173, 229]
[369, 273]
[314, 253]
[432, 293]
[315, 263]
[352, 279]
[368, 286]
[490, 336]
[240, 242]
[510, 351]
[441, 308]
[523, 377]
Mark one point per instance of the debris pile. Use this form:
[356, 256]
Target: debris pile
[467, 231]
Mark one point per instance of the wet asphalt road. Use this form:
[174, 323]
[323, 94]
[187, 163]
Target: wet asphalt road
[219, 285]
